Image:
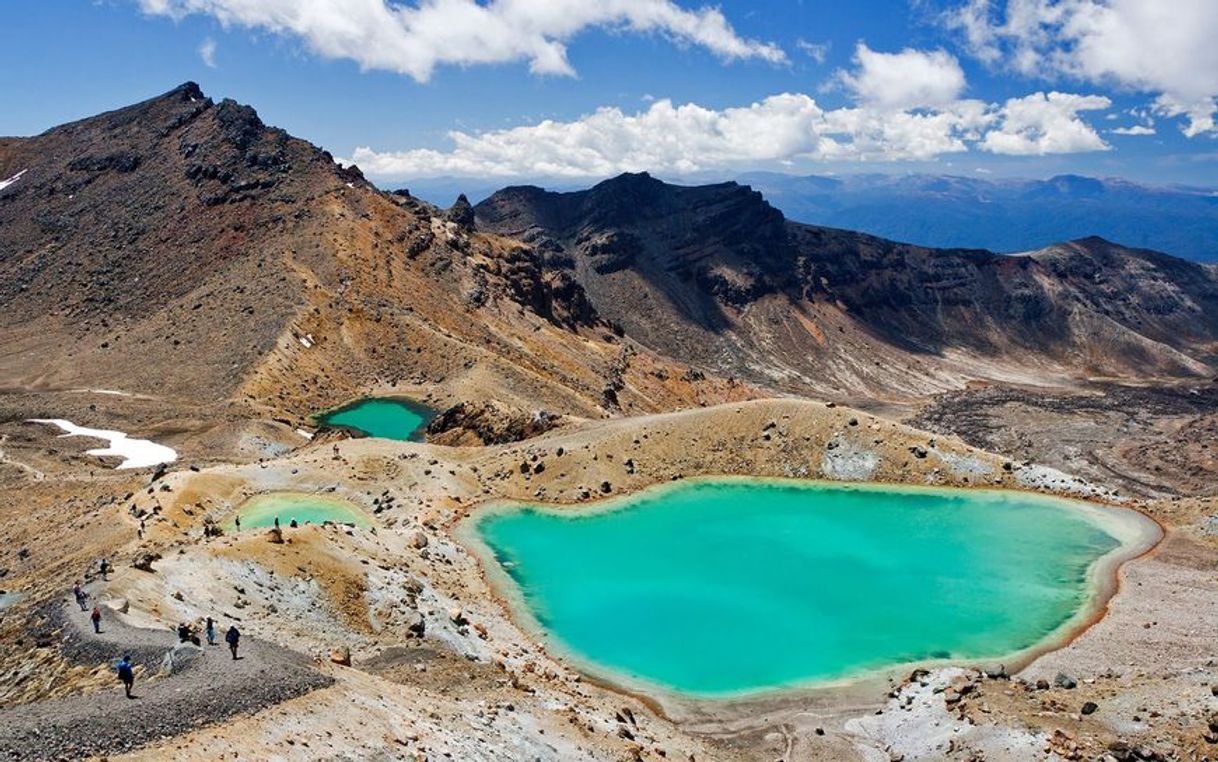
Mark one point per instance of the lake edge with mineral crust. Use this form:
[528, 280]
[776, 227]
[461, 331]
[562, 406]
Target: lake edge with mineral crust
[259, 511]
[397, 418]
[1131, 532]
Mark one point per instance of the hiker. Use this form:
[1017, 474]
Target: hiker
[104, 567]
[233, 638]
[292, 524]
[186, 634]
[81, 596]
[141, 532]
[126, 674]
[96, 617]
[237, 522]
[210, 629]
[276, 522]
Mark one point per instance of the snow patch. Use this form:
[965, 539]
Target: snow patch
[136, 453]
[5, 183]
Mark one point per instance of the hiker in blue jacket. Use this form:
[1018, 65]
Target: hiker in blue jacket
[126, 674]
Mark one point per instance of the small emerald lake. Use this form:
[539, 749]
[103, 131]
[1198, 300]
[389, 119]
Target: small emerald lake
[722, 587]
[383, 417]
[262, 510]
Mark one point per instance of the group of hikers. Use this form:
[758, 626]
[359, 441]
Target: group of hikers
[125, 668]
[186, 634]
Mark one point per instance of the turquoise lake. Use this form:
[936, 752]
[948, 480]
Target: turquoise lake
[386, 418]
[724, 587]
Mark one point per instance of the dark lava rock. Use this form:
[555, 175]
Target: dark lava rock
[461, 213]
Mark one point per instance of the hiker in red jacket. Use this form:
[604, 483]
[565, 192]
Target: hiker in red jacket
[96, 617]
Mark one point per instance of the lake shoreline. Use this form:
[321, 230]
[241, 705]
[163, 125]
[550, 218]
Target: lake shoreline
[1136, 534]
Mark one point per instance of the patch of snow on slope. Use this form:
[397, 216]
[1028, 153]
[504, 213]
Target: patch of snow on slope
[136, 453]
[5, 183]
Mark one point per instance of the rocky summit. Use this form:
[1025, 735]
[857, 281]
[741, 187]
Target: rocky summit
[186, 286]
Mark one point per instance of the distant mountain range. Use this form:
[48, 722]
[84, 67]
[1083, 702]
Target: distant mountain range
[1003, 214]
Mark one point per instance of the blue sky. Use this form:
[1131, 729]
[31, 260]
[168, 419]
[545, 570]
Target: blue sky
[678, 88]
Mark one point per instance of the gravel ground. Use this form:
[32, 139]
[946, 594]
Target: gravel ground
[209, 690]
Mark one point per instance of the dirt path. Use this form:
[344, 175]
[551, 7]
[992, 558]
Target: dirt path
[4, 458]
[209, 689]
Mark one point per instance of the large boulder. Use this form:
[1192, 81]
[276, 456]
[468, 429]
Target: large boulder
[487, 423]
[416, 624]
[341, 655]
[180, 658]
[145, 560]
[461, 213]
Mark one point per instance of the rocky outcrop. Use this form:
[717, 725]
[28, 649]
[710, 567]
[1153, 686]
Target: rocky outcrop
[554, 293]
[488, 423]
[461, 213]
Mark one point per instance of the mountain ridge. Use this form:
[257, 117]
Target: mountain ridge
[706, 270]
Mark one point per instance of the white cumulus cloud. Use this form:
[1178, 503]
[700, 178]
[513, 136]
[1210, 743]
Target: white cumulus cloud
[782, 129]
[415, 38]
[1045, 123]
[1161, 47]
[905, 79]
[664, 137]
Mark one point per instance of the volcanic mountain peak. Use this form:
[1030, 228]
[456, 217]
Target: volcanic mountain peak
[181, 247]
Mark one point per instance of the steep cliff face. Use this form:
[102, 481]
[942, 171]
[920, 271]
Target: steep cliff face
[715, 276]
[724, 240]
[666, 264]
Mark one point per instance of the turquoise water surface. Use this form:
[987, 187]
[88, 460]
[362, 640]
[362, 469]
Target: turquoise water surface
[716, 587]
[387, 418]
[262, 510]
